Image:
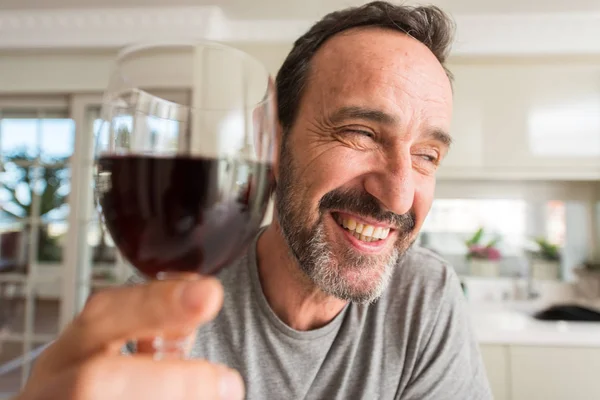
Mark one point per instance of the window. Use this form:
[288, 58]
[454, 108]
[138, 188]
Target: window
[556, 222]
[514, 222]
[451, 221]
[36, 145]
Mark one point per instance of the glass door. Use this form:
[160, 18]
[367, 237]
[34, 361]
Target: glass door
[36, 146]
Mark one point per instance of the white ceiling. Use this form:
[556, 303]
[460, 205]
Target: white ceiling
[303, 9]
[485, 27]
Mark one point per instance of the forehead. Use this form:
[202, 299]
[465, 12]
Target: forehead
[382, 69]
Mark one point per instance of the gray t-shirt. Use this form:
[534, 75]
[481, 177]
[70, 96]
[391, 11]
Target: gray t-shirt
[415, 342]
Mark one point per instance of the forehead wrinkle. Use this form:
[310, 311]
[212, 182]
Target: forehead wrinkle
[342, 73]
[334, 59]
[397, 83]
[409, 85]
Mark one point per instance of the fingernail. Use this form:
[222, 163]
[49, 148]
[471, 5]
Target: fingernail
[191, 295]
[231, 386]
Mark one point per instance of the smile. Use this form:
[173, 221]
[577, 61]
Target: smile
[360, 230]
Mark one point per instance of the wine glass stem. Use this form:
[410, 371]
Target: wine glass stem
[170, 348]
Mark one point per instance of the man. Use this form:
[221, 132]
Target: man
[332, 301]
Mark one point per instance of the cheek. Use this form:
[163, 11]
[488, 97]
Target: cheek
[424, 195]
[331, 170]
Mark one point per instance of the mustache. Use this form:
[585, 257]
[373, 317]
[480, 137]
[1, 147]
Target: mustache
[363, 203]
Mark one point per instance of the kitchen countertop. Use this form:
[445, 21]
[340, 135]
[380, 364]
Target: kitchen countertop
[513, 324]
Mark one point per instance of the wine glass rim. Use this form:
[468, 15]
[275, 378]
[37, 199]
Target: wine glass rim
[145, 45]
[113, 103]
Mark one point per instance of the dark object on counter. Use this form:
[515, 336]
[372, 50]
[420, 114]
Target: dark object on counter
[568, 312]
[592, 266]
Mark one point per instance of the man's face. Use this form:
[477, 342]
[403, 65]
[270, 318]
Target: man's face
[356, 174]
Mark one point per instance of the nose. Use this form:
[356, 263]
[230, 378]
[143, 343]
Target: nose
[393, 184]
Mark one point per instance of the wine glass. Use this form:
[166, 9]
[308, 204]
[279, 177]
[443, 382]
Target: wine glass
[183, 159]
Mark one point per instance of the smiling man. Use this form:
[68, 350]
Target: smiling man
[332, 301]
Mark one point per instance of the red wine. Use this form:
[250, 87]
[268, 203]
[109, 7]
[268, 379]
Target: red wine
[182, 213]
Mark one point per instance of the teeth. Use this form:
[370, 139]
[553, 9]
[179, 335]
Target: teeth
[377, 232]
[351, 224]
[367, 233]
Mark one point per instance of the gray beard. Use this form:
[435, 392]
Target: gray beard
[309, 247]
[317, 260]
[315, 257]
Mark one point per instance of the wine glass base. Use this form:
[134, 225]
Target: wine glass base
[177, 349]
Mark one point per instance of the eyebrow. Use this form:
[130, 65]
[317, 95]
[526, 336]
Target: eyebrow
[378, 116]
[369, 114]
[440, 136]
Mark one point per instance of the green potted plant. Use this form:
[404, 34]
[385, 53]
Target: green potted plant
[483, 257]
[545, 262]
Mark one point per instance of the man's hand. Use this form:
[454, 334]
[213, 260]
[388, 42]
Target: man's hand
[85, 362]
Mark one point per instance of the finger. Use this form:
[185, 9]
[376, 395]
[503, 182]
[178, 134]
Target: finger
[120, 378]
[116, 315]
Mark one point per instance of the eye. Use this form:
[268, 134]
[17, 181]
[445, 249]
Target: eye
[429, 158]
[360, 132]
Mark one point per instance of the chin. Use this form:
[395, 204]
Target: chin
[364, 291]
[358, 278]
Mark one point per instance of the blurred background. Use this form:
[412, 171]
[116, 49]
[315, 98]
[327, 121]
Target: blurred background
[517, 210]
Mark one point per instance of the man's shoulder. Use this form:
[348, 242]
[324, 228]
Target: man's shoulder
[426, 300]
[423, 264]
[424, 276]
[417, 253]
[236, 269]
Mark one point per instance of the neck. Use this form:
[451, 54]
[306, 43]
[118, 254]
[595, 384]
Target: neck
[290, 293]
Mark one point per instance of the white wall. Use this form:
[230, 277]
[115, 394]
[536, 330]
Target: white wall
[65, 72]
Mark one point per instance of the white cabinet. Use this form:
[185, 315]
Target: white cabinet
[466, 153]
[539, 372]
[553, 373]
[525, 120]
[496, 360]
